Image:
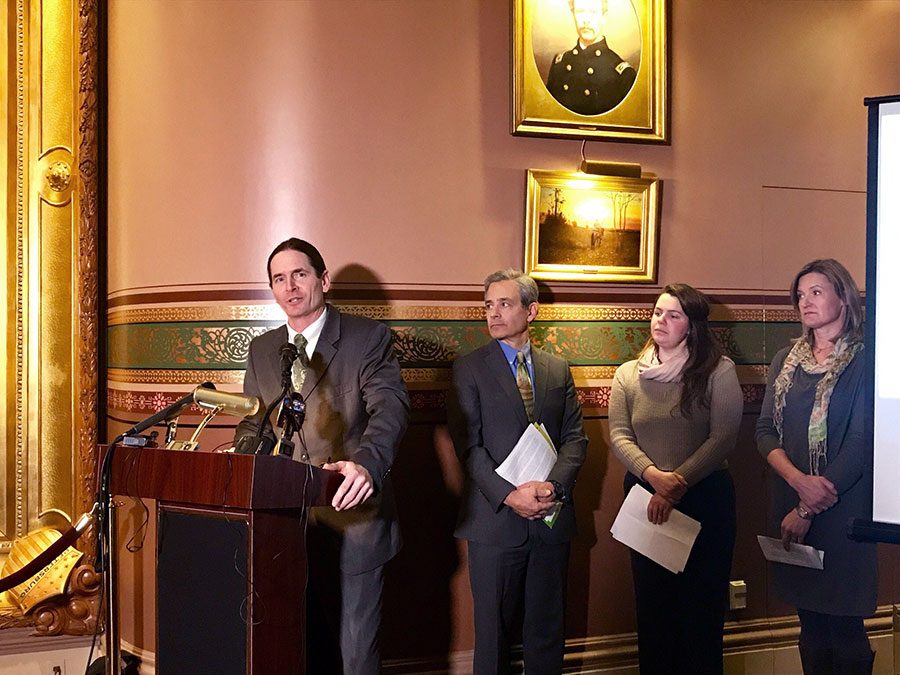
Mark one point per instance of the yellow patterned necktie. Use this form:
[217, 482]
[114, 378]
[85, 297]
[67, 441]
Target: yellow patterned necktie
[301, 364]
[523, 382]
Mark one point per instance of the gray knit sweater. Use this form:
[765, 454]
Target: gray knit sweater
[646, 426]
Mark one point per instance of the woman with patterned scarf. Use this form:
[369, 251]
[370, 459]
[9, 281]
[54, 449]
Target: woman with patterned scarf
[674, 415]
[812, 432]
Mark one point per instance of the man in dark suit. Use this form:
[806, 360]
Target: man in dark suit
[517, 563]
[356, 413]
[590, 78]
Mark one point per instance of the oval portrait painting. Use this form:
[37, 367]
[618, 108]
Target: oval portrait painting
[588, 52]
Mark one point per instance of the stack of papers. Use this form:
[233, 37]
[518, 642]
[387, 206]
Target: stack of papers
[668, 544]
[532, 458]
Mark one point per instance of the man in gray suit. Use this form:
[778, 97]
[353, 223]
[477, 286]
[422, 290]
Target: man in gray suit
[356, 413]
[517, 563]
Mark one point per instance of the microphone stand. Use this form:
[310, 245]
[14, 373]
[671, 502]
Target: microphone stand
[107, 562]
[288, 352]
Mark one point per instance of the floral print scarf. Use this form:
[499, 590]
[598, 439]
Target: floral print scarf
[801, 355]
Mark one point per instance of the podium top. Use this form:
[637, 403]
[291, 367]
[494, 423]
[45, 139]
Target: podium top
[220, 479]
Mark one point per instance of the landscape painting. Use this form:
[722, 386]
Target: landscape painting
[581, 227]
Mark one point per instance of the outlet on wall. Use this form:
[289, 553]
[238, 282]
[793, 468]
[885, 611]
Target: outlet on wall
[737, 595]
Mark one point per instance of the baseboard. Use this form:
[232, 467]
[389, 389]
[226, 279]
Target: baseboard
[757, 647]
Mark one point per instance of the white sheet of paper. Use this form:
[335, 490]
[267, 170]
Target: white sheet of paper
[668, 544]
[800, 554]
[532, 458]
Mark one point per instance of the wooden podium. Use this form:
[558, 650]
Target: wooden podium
[231, 555]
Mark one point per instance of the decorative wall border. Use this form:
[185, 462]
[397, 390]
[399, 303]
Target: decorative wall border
[156, 353]
[223, 345]
[269, 312]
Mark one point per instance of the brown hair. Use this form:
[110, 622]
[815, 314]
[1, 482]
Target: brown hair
[845, 288]
[704, 351]
[301, 246]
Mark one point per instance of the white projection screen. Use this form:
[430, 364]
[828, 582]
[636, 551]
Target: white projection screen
[883, 311]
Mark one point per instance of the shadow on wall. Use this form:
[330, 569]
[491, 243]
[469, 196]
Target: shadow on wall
[427, 479]
[357, 282]
[588, 497]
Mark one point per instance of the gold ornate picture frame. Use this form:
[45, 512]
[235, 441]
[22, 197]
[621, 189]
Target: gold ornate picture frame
[616, 88]
[580, 227]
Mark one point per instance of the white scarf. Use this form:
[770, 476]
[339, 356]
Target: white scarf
[650, 367]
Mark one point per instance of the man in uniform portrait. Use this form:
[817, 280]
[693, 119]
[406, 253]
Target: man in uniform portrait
[590, 78]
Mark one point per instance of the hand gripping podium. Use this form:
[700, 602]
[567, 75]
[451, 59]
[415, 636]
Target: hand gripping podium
[230, 555]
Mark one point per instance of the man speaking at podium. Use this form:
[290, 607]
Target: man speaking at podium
[356, 413]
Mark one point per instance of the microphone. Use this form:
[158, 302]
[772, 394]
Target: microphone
[290, 419]
[289, 353]
[168, 412]
[239, 405]
[293, 412]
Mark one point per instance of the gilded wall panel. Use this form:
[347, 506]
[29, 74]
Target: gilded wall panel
[50, 263]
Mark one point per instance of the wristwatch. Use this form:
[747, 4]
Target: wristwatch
[803, 513]
[559, 491]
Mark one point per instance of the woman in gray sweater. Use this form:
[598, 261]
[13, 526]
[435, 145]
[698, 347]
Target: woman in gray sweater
[812, 432]
[674, 414]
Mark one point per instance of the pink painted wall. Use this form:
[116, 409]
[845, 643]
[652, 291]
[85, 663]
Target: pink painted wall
[381, 131]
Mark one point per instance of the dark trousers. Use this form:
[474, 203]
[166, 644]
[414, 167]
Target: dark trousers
[343, 612]
[831, 643]
[519, 589]
[681, 617]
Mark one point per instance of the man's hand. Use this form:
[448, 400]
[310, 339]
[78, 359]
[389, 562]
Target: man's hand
[531, 500]
[816, 492]
[793, 529]
[668, 484]
[543, 491]
[658, 509]
[356, 487]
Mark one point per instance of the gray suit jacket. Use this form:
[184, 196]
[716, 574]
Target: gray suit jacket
[357, 409]
[487, 417]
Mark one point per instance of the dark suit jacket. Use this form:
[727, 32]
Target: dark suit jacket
[590, 81]
[487, 417]
[357, 409]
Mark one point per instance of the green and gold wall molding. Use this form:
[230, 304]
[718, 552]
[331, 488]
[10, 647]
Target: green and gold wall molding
[156, 351]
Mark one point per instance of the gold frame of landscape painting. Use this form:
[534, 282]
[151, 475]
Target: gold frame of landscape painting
[580, 227]
[614, 89]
